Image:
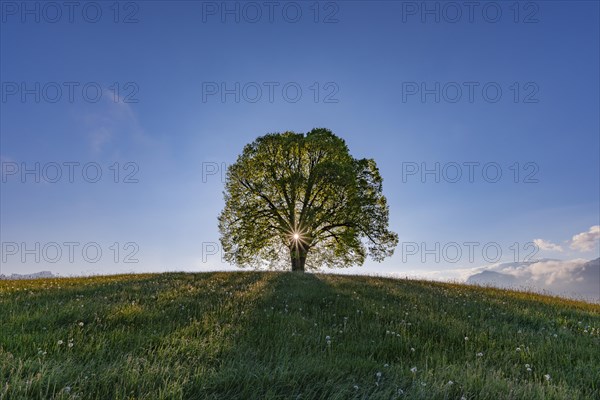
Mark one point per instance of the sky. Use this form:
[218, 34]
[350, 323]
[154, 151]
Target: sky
[118, 120]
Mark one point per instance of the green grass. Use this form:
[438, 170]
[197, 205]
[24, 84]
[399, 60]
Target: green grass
[264, 336]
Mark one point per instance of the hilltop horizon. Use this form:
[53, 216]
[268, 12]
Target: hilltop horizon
[515, 276]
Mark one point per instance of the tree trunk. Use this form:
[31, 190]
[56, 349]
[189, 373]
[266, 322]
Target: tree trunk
[298, 259]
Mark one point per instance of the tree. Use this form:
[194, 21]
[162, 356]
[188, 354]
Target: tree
[304, 198]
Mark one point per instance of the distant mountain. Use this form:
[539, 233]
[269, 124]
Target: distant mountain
[36, 275]
[575, 279]
[504, 275]
[493, 278]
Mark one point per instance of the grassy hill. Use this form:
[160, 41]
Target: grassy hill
[251, 335]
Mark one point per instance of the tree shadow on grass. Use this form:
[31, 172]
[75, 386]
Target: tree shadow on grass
[285, 347]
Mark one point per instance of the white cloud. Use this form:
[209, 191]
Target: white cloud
[545, 245]
[577, 278]
[548, 272]
[586, 241]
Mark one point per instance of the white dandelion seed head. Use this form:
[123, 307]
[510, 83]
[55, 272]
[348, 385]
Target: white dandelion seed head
[413, 370]
[547, 377]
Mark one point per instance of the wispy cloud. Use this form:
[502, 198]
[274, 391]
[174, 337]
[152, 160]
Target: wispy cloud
[112, 126]
[100, 137]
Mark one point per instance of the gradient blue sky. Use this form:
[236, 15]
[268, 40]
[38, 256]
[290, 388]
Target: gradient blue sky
[369, 54]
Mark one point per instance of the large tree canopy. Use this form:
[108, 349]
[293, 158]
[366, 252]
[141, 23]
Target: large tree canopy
[304, 199]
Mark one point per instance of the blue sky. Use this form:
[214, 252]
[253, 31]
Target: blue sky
[165, 127]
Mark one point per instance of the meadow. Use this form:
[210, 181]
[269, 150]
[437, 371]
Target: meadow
[269, 335]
